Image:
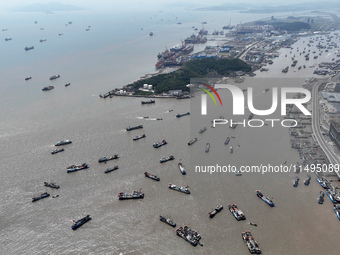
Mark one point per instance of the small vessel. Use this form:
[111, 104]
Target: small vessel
[236, 171]
[81, 222]
[67, 84]
[202, 130]
[167, 221]
[266, 90]
[333, 196]
[251, 243]
[51, 185]
[42, 40]
[227, 140]
[192, 141]
[253, 224]
[189, 235]
[133, 128]
[207, 147]
[151, 176]
[151, 34]
[28, 78]
[159, 144]
[180, 189]
[336, 209]
[321, 197]
[233, 125]
[163, 160]
[138, 137]
[57, 151]
[47, 88]
[29, 48]
[63, 142]
[75, 168]
[111, 169]
[231, 149]
[134, 195]
[296, 181]
[250, 116]
[8, 39]
[307, 181]
[238, 214]
[267, 200]
[53, 77]
[105, 159]
[43, 195]
[148, 102]
[323, 182]
[181, 168]
[181, 115]
[217, 209]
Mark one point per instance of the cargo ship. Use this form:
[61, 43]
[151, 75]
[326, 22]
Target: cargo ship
[133, 128]
[217, 209]
[159, 144]
[189, 235]
[151, 176]
[28, 78]
[267, 200]
[109, 170]
[138, 137]
[251, 243]
[75, 168]
[81, 222]
[181, 115]
[105, 159]
[192, 141]
[163, 160]
[148, 102]
[167, 221]
[47, 88]
[43, 195]
[29, 48]
[237, 213]
[134, 195]
[53, 77]
[181, 168]
[51, 185]
[63, 142]
[57, 151]
[180, 189]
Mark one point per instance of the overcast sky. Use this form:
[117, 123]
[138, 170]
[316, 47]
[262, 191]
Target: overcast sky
[102, 4]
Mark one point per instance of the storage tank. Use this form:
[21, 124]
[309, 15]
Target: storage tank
[121, 92]
[145, 86]
[149, 87]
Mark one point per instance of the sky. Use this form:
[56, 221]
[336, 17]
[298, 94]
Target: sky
[102, 4]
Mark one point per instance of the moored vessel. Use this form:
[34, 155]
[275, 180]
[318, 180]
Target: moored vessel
[237, 213]
[216, 210]
[151, 176]
[111, 169]
[163, 160]
[189, 235]
[75, 168]
[159, 144]
[307, 180]
[267, 200]
[134, 195]
[63, 142]
[192, 141]
[43, 195]
[181, 168]
[80, 222]
[51, 185]
[148, 102]
[180, 189]
[321, 197]
[133, 128]
[336, 209]
[167, 221]
[251, 243]
[105, 159]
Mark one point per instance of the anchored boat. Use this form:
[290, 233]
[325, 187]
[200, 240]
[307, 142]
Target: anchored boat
[267, 200]
[81, 222]
[180, 189]
[151, 176]
[167, 221]
[237, 213]
[181, 168]
[217, 209]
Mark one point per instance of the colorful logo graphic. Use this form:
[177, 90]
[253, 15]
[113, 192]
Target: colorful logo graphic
[213, 90]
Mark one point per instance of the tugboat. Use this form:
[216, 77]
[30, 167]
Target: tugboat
[181, 115]
[105, 159]
[43, 195]
[321, 197]
[81, 222]
[57, 151]
[148, 102]
[181, 168]
[163, 160]
[138, 137]
[167, 221]
[63, 142]
[202, 130]
[111, 169]
[207, 147]
[159, 144]
[265, 199]
[296, 181]
[189, 235]
[238, 214]
[251, 243]
[217, 209]
[307, 181]
[134, 195]
[227, 141]
[323, 182]
[231, 149]
[180, 189]
[54, 77]
[336, 209]
[151, 176]
[75, 168]
[133, 128]
[191, 142]
[51, 185]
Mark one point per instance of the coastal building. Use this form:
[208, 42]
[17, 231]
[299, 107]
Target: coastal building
[334, 131]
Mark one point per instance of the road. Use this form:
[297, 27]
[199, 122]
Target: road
[332, 157]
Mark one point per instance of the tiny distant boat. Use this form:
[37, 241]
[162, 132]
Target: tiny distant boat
[133, 128]
[57, 151]
[192, 141]
[266, 90]
[267, 200]
[207, 147]
[321, 197]
[29, 48]
[202, 130]
[151, 34]
[231, 149]
[181, 115]
[323, 182]
[336, 209]
[134, 195]
[167, 221]
[180, 189]
[151, 176]
[51, 185]
[43, 195]
[138, 137]
[250, 116]
[307, 181]
[163, 160]
[236, 171]
[217, 209]
[251, 243]
[81, 222]
[296, 181]
[67, 84]
[109, 170]
[28, 78]
[159, 144]
[105, 159]
[253, 224]
[237, 213]
[63, 142]
[148, 102]
[233, 125]
[42, 40]
[75, 168]
[54, 77]
[333, 196]
[181, 168]
[227, 140]
[47, 88]
[8, 39]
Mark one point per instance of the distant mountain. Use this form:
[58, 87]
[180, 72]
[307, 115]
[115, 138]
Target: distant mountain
[49, 7]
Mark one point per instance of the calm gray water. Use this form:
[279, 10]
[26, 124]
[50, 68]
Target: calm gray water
[114, 52]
